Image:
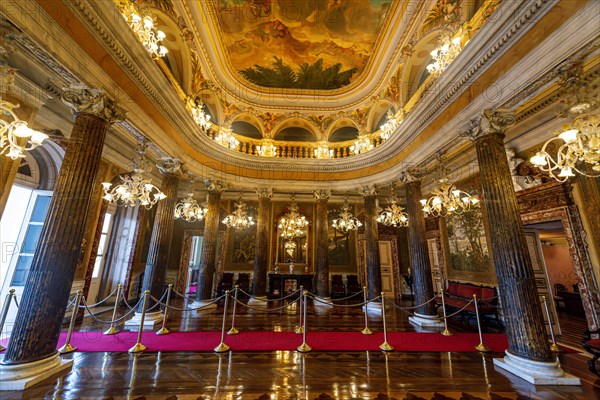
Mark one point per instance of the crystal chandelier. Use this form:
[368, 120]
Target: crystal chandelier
[133, 188]
[290, 247]
[188, 209]
[390, 126]
[200, 117]
[144, 28]
[16, 137]
[292, 224]
[239, 218]
[393, 215]
[346, 221]
[362, 145]
[447, 200]
[322, 151]
[443, 55]
[226, 138]
[267, 149]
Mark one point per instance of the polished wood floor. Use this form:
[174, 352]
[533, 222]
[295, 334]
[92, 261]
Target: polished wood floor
[292, 375]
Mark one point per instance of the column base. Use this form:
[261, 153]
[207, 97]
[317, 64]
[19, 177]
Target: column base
[206, 304]
[426, 321]
[373, 307]
[151, 320]
[322, 302]
[536, 372]
[258, 301]
[22, 376]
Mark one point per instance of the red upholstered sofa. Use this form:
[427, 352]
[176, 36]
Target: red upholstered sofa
[459, 294]
[593, 347]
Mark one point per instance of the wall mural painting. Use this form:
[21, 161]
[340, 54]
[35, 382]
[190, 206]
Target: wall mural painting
[320, 44]
[244, 245]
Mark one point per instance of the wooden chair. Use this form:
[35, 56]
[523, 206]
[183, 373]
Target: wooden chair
[243, 281]
[225, 284]
[338, 289]
[352, 285]
[592, 346]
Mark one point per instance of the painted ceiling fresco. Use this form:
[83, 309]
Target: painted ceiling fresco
[304, 44]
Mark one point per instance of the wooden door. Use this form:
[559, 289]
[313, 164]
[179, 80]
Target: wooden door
[386, 261]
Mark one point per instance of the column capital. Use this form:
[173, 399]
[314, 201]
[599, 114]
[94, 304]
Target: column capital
[93, 101]
[264, 193]
[491, 122]
[215, 186]
[168, 165]
[367, 191]
[412, 174]
[322, 194]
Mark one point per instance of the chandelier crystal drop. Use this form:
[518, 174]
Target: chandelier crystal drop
[393, 215]
[292, 224]
[267, 149]
[189, 210]
[323, 151]
[390, 126]
[239, 218]
[442, 56]
[200, 117]
[16, 137]
[133, 188]
[226, 138]
[362, 145]
[346, 221]
[448, 200]
[144, 28]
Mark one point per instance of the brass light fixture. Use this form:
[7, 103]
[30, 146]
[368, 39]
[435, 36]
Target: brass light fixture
[226, 138]
[323, 151]
[188, 209]
[15, 136]
[239, 218]
[442, 56]
[292, 224]
[390, 125]
[362, 144]
[267, 149]
[446, 200]
[200, 117]
[393, 215]
[143, 26]
[346, 221]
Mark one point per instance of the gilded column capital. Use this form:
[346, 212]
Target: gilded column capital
[367, 191]
[168, 165]
[491, 122]
[264, 193]
[412, 174]
[214, 186]
[322, 194]
[95, 102]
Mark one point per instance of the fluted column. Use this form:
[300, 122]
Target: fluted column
[39, 319]
[520, 301]
[373, 262]
[321, 242]
[162, 231]
[417, 245]
[261, 253]
[208, 256]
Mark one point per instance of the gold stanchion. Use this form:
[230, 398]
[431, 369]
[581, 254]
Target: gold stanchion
[139, 347]
[222, 347]
[5, 307]
[367, 330]
[233, 330]
[480, 347]
[163, 329]
[304, 347]
[446, 331]
[68, 347]
[553, 347]
[112, 330]
[300, 328]
[385, 346]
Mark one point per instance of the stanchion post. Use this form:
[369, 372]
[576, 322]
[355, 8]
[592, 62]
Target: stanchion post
[233, 330]
[222, 347]
[385, 346]
[112, 330]
[68, 347]
[5, 307]
[139, 347]
[163, 329]
[300, 328]
[367, 330]
[554, 347]
[480, 347]
[304, 347]
[446, 331]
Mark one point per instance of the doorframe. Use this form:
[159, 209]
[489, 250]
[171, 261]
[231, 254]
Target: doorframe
[362, 269]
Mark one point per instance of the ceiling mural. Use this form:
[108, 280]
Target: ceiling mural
[304, 44]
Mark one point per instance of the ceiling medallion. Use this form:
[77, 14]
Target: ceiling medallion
[362, 144]
[390, 125]
[393, 215]
[226, 138]
[188, 209]
[16, 137]
[267, 149]
[322, 151]
[133, 188]
[292, 224]
[200, 117]
[442, 56]
[346, 221]
[448, 200]
[239, 218]
[143, 27]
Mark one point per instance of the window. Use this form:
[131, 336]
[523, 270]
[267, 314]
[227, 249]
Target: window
[102, 245]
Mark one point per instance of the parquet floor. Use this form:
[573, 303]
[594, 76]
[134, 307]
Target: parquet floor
[291, 375]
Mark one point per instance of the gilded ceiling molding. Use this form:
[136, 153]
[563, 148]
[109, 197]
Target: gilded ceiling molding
[94, 102]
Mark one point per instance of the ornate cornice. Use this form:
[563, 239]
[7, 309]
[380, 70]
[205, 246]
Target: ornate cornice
[215, 186]
[322, 194]
[168, 165]
[94, 102]
[412, 174]
[264, 193]
[368, 191]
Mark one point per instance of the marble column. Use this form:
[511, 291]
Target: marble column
[261, 252]
[528, 354]
[425, 315]
[373, 262]
[39, 319]
[321, 241]
[208, 255]
[160, 242]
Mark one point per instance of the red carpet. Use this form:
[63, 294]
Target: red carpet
[265, 341]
